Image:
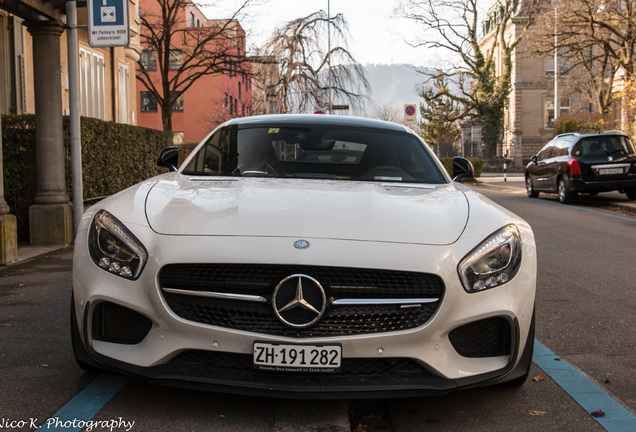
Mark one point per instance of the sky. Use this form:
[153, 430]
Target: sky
[377, 34]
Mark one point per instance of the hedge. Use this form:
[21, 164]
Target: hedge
[114, 157]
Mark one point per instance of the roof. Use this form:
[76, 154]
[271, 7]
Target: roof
[318, 119]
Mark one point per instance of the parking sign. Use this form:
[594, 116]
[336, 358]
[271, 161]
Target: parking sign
[108, 23]
[410, 117]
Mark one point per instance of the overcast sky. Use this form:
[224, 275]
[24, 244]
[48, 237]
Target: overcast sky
[377, 35]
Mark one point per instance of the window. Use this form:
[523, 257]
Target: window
[191, 19]
[149, 60]
[92, 93]
[225, 104]
[239, 88]
[231, 105]
[177, 106]
[148, 102]
[564, 66]
[175, 59]
[123, 79]
[549, 110]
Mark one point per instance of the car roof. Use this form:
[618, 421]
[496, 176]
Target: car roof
[316, 119]
[596, 134]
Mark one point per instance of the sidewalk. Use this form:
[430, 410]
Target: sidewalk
[27, 252]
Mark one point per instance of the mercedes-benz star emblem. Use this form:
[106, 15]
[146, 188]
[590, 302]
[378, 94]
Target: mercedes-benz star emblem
[301, 244]
[299, 301]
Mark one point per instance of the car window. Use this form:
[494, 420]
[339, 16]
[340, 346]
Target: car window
[600, 146]
[317, 152]
[561, 148]
[546, 152]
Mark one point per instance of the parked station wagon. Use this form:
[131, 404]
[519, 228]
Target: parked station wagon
[572, 163]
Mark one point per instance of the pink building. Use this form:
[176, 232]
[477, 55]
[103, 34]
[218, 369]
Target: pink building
[212, 99]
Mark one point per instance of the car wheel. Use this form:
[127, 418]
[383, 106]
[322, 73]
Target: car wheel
[526, 359]
[565, 196]
[631, 194]
[530, 188]
[82, 357]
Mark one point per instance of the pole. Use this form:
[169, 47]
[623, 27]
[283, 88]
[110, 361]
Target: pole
[73, 98]
[557, 104]
[329, 49]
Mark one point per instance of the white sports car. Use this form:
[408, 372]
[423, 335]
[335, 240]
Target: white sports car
[306, 255]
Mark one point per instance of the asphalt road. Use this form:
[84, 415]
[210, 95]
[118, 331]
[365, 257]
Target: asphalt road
[585, 315]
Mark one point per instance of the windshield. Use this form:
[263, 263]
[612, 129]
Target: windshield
[317, 152]
[600, 146]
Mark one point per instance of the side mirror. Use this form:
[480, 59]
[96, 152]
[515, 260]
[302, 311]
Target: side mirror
[533, 159]
[462, 169]
[169, 158]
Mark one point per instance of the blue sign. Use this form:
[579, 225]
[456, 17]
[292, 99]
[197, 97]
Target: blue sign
[111, 12]
[108, 23]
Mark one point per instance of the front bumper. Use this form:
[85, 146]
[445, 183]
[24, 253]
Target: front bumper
[420, 360]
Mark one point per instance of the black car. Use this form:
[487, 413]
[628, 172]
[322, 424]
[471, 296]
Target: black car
[575, 163]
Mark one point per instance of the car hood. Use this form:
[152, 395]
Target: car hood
[362, 211]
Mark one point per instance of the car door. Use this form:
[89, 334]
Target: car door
[539, 171]
[556, 165]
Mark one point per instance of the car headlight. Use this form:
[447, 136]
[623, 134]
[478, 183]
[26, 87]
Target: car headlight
[494, 262]
[114, 248]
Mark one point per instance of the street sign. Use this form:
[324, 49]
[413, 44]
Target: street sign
[108, 23]
[410, 117]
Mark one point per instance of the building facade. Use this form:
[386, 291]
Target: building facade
[34, 79]
[212, 98]
[529, 118]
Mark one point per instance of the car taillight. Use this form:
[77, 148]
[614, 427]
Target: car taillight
[575, 169]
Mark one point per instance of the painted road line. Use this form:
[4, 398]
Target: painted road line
[75, 415]
[587, 394]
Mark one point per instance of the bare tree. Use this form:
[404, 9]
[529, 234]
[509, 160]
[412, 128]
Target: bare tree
[455, 26]
[595, 36]
[308, 69]
[389, 112]
[185, 53]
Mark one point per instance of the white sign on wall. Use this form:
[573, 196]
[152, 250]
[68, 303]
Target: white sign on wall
[108, 23]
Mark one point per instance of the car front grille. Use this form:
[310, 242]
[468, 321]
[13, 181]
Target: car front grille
[379, 300]
[200, 362]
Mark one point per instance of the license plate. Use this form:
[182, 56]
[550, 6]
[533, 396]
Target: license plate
[297, 358]
[609, 171]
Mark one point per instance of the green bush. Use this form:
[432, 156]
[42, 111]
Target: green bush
[114, 157]
[477, 163]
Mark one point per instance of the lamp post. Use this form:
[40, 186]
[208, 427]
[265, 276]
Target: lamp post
[329, 50]
[557, 107]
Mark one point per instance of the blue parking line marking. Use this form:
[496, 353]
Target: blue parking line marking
[584, 392]
[73, 416]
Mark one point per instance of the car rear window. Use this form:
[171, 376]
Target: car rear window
[317, 152]
[600, 146]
